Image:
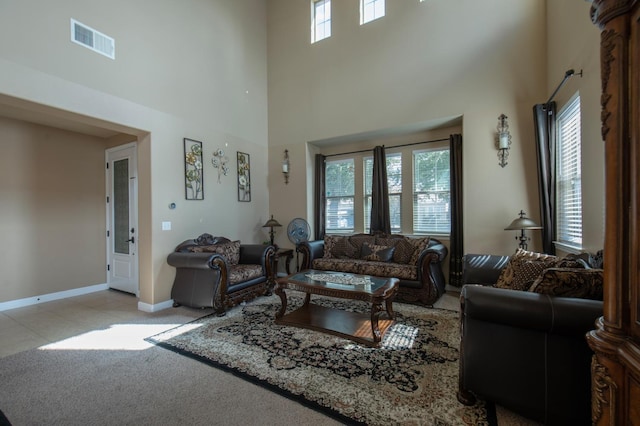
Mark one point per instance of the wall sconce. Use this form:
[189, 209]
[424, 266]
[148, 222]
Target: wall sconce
[520, 224]
[285, 166]
[503, 140]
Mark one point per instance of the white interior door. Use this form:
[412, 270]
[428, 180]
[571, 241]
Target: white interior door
[122, 219]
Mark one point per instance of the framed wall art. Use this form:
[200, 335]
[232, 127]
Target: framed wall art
[244, 177]
[193, 173]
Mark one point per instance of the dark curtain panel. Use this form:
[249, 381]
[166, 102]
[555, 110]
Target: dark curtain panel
[380, 218]
[544, 118]
[456, 249]
[320, 198]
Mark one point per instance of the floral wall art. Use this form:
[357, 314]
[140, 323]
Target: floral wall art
[193, 172]
[219, 162]
[244, 177]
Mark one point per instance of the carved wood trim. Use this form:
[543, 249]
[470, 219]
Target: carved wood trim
[602, 11]
[603, 392]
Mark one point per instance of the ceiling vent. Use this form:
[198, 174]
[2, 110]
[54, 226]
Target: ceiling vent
[92, 39]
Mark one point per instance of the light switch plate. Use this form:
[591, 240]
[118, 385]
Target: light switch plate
[166, 226]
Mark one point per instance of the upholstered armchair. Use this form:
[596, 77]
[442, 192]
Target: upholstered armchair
[215, 272]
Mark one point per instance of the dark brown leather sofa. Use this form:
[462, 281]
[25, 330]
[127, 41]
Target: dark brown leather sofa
[207, 276]
[421, 283]
[527, 352]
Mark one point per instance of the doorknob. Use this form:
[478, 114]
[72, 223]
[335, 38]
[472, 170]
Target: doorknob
[131, 240]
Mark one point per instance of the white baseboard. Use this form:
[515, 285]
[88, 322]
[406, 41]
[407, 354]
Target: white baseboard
[146, 307]
[29, 301]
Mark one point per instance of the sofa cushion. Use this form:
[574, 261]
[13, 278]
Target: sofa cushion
[338, 265]
[570, 282]
[367, 267]
[510, 273]
[241, 273]
[329, 244]
[376, 252]
[528, 271]
[230, 251]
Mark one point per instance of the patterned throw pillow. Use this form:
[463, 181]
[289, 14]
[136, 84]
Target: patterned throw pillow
[343, 249]
[358, 240]
[403, 249]
[230, 251]
[570, 282]
[376, 253]
[527, 273]
[512, 270]
[419, 245]
[329, 242]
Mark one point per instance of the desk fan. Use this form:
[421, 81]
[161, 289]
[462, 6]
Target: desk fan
[298, 232]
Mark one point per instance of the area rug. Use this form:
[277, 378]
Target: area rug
[410, 379]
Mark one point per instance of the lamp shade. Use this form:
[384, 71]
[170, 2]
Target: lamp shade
[522, 222]
[271, 223]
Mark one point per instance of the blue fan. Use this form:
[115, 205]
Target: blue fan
[298, 231]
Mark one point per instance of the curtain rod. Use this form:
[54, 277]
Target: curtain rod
[395, 146]
[567, 75]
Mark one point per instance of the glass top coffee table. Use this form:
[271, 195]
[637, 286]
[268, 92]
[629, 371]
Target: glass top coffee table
[366, 329]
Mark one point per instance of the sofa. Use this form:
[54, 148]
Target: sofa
[215, 272]
[416, 262]
[522, 341]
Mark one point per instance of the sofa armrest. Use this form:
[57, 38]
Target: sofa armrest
[526, 310]
[482, 269]
[310, 250]
[190, 260]
[255, 254]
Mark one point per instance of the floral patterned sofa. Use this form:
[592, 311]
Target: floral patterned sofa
[523, 330]
[416, 262]
[215, 272]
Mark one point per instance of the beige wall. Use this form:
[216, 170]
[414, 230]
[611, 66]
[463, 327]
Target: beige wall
[574, 43]
[421, 63]
[429, 62]
[52, 185]
[192, 69]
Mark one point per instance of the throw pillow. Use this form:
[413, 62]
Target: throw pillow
[376, 253]
[329, 242]
[570, 282]
[343, 249]
[419, 245]
[403, 249]
[230, 251]
[358, 240]
[528, 271]
[510, 272]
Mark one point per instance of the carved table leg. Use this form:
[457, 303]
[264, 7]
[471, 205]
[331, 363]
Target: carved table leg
[283, 298]
[376, 309]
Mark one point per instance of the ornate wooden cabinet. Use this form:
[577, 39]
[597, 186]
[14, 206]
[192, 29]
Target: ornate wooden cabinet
[615, 370]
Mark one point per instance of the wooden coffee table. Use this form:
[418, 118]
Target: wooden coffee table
[366, 329]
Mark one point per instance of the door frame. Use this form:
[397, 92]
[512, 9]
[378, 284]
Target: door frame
[133, 208]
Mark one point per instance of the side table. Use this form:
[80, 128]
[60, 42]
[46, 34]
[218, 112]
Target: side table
[287, 255]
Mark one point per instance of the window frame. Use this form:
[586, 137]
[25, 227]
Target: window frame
[325, 24]
[340, 197]
[376, 5]
[568, 169]
[436, 231]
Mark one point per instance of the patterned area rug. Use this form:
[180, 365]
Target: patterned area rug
[410, 379]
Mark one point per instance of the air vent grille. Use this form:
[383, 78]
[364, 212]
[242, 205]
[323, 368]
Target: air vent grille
[92, 39]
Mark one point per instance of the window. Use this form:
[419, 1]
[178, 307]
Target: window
[568, 176]
[394, 183]
[339, 187]
[371, 10]
[431, 177]
[321, 20]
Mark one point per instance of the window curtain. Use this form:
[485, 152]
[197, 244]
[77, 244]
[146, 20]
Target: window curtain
[456, 249]
[320, 198]
[544, 117]
[380, 218]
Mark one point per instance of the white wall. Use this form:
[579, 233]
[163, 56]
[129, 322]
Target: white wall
[192, 69]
